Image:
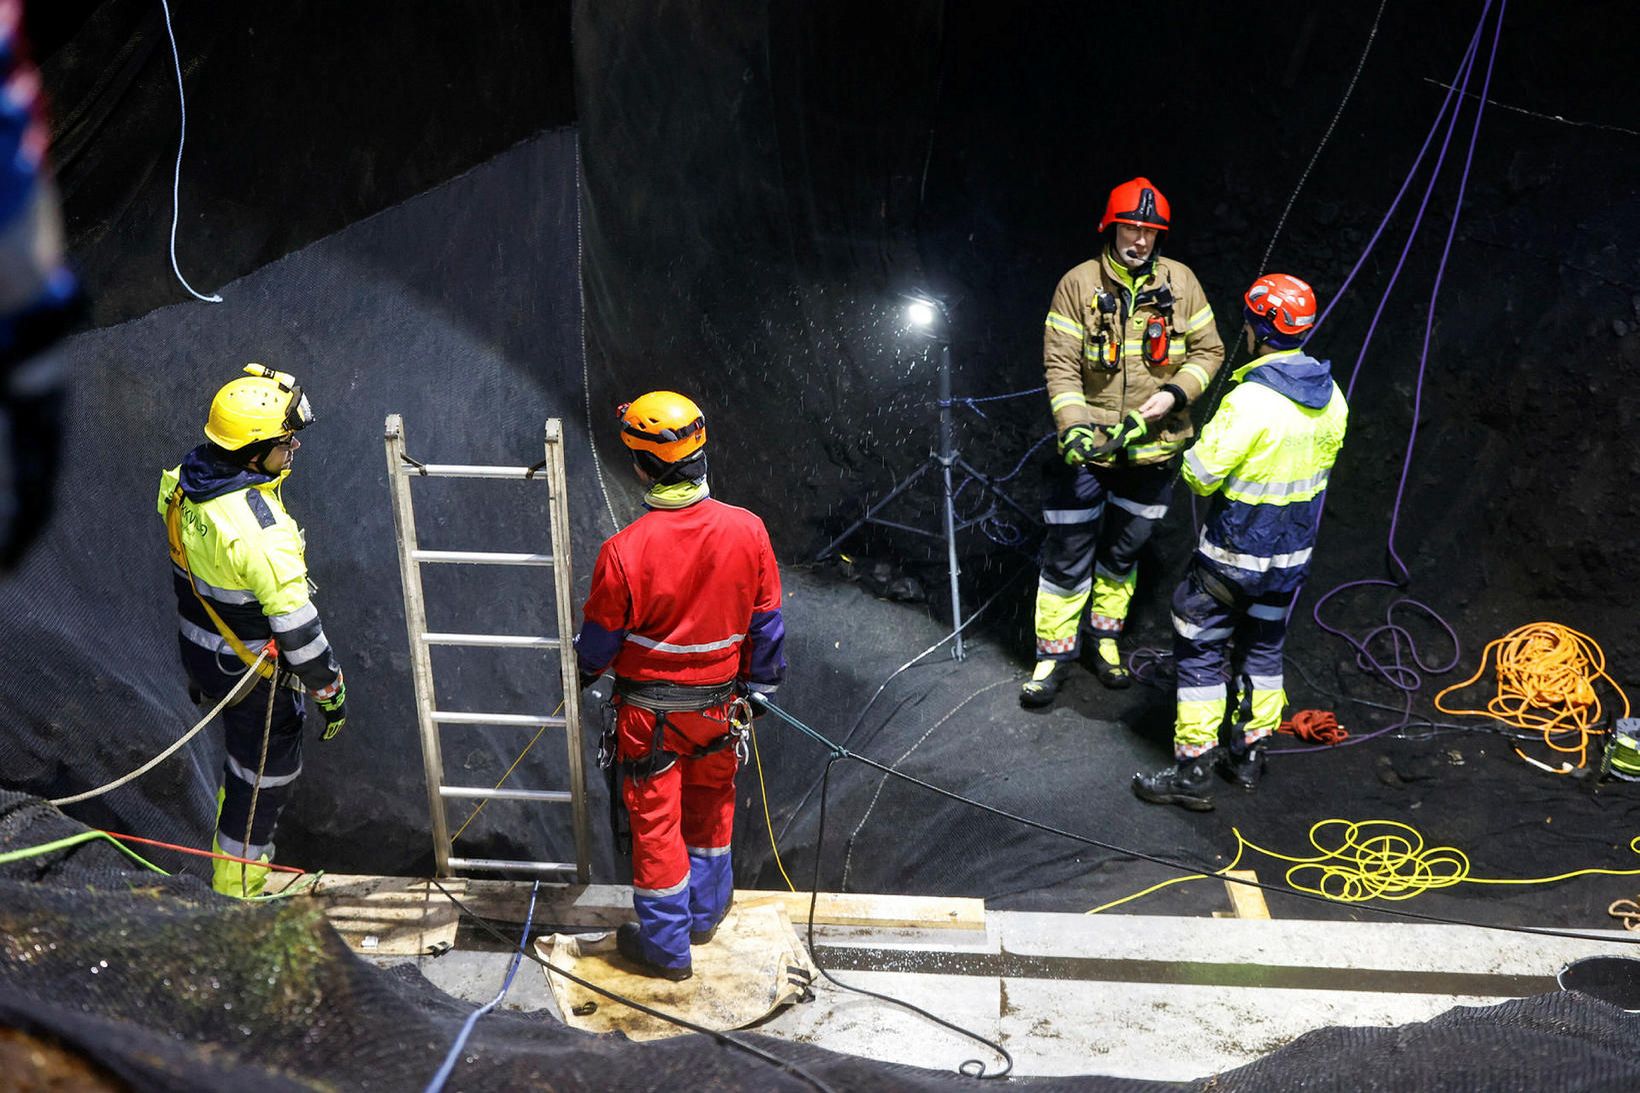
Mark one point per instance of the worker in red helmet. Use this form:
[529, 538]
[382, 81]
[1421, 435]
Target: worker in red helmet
[1264, 458]
[685, 609]
[1128, 345]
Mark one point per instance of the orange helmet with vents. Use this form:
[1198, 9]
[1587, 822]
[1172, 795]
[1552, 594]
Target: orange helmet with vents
[667, 425]
[1281, 310]
[1136, 202]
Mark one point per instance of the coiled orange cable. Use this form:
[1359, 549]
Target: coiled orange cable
[1546, 675]
[1315, 727]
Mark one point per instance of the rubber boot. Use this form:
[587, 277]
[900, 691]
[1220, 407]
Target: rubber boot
[1187, 783]
[1043, 686]
[628, 942]
[1107, 664]
[1243, 766]
[226, 877]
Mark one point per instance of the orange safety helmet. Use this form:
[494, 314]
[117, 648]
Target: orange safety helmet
[665, 424]
[1281, 310]
[1136, 202]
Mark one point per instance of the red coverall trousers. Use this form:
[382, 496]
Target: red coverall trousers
[682, 821]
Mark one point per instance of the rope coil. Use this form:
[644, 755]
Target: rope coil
[1546, 676]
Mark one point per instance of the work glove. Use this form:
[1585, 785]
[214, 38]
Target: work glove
[1078, 444]
[334, 710]
[587, 678]
[759, 702]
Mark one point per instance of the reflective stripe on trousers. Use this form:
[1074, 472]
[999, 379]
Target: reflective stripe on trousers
[1211, 641]
[1088, 567]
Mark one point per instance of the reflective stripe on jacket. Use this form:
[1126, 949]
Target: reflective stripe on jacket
[247, 558]
[688, 595]
[1082, 390]
[1267, 453]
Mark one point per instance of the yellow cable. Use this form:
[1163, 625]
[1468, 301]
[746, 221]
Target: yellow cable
[1546, 675]
[751, 731]
[473, 815]
[1165, 883]
[1364, 860]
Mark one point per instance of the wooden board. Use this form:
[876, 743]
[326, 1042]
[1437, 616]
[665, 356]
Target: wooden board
[1246, 902]
[409, 916]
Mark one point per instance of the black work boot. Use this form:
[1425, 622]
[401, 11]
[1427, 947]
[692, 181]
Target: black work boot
[702, 937]
[1187, 783]
[1107, 665]
[628, 942]
[1243, 766]
[1043, 686]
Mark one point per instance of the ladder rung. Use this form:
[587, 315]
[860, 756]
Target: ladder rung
[480, 557]
[520, 720]
[463, 470]
[508, 866]
[503, 641]
[485, 793]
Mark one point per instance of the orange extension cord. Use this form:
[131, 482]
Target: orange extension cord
[1315, 727]
[1546, 676]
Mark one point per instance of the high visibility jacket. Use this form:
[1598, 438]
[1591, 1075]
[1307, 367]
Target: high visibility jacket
[1094, 340]
[246, 556]
[1267, 453]
[688, 595]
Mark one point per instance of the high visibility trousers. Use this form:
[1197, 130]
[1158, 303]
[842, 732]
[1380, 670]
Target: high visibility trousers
[1098, 519]
[1215, 645]
[682, 820]
[245, 723]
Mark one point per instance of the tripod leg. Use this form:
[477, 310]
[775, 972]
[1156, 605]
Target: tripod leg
[903, 485]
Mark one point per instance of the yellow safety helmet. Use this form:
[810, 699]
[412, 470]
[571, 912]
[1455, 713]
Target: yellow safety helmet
[262, 405]
[665, 424]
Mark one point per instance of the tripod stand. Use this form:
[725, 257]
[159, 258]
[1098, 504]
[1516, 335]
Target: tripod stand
[948, 461]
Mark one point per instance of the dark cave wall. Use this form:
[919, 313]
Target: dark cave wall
[761, 184]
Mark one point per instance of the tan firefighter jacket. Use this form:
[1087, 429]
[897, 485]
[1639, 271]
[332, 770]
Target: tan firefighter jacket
[1093, 348]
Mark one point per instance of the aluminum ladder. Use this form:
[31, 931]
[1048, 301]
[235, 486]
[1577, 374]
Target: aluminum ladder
[401, 469]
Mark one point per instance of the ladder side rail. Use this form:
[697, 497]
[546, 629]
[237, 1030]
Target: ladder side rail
[558, 508]
[415, 621]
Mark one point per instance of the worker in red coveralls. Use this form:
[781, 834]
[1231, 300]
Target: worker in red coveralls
[685, 608]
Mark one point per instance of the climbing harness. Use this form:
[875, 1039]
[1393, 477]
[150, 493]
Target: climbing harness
[663, 698]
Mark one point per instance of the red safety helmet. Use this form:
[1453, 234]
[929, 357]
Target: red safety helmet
[1136, 202]
[1281, 310]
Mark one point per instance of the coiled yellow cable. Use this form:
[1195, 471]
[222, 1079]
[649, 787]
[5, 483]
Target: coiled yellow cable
[1363, 860]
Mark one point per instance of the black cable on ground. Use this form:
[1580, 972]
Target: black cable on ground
[838, 752]
[972, 1068]
[721, 1037]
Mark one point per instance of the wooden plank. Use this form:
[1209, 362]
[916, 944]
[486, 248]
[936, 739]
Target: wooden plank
[850, 909]
[393, 909]
[1245, 902]
[390, 916]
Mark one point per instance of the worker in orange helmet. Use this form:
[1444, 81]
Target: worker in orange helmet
[1264, 458]
[1128, 345]
[685, 609]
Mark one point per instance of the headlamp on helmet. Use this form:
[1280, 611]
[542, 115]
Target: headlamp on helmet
[262, 405]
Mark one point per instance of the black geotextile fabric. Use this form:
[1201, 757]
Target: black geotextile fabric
[458, 310]
[168, 986]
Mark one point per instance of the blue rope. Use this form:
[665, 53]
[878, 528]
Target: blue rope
[443, 1074]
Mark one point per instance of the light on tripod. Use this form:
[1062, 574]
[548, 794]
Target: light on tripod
[921, 313]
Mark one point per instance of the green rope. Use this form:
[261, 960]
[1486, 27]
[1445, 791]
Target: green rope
[76, 840]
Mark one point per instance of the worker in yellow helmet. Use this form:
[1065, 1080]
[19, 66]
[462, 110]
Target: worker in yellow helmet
[242, 587]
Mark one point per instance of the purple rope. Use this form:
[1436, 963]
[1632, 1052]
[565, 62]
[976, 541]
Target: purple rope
[1396, 670]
